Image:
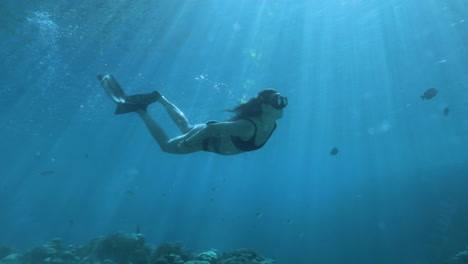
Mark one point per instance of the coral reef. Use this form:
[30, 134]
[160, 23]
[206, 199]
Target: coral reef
[208, 256]
[244, 256]
[125, 248]
[121, 248]
[167, 253]
[460, 258]
[5, 251]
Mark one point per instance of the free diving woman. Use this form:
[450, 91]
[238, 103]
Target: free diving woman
[249, 129]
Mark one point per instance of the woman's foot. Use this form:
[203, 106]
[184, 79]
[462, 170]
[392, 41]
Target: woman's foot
[137, 102]
[143, 98]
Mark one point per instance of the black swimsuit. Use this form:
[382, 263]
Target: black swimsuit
[212, 143]
[249, 145]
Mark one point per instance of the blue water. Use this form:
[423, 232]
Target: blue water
[353, 70]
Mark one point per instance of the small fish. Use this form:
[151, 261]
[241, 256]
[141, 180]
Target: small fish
[71, 222]
[214, 189]
[334, 151]
[130, 192]
[44, 173]
[429, 93]
[446, 111]
[86, 155]
[138, 229]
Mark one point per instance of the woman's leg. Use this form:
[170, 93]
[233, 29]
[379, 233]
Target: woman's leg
[165, 143]
[154, 128]
[176, 115]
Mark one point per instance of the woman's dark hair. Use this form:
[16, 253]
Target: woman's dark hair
[252, 107]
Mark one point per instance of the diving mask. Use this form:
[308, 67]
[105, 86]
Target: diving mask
[278, 101]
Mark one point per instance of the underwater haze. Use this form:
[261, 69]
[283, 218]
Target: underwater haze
[360, 169]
